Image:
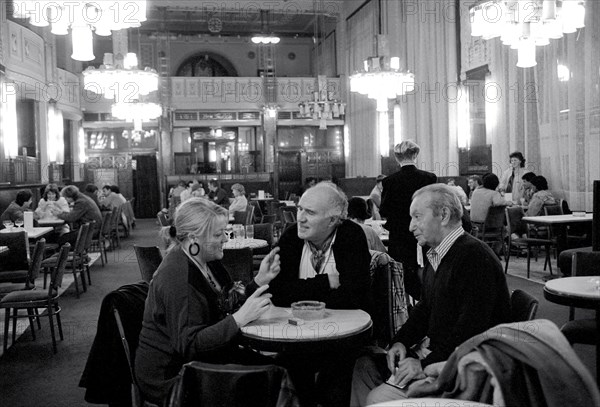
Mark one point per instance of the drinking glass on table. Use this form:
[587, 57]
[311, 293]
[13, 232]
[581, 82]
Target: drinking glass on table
[249, 231]
[7, 224]
[238, 231]
[19, 223]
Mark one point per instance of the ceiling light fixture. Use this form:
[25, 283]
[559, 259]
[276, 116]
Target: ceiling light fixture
[136, 112]
[120, 80]
[382, 79]
[525, 24]
[265, 38]
[83, 18]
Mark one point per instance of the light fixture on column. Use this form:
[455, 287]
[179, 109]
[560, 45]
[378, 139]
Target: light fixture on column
[382, 79]
[525, 24]
[264, 37]
[8, 119]
[120, 80]
[136, 112]
[83, 17]
[323, 105]
[56, 143]
[270, 110]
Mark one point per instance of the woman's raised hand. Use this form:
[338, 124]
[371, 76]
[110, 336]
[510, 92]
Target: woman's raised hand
[269, 268]
[254, 307]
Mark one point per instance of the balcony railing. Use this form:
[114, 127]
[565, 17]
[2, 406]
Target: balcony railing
[21, 170]
[235, 93]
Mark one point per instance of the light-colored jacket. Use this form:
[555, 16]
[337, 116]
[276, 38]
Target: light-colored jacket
[517, 185]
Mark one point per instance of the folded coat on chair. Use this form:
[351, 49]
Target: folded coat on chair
[106, 375]
[530, 362]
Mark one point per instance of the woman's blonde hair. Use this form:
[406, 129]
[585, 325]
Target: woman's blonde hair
[194, 217]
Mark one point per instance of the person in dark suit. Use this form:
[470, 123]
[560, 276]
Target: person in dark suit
[464, 294]
[396, 197]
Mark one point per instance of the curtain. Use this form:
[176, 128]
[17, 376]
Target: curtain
[429, 115]
[569, 112]
[363, 155]
[554, 122]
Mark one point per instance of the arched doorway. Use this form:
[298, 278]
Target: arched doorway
[206, 64]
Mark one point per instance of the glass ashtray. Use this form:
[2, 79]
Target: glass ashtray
[308, 310]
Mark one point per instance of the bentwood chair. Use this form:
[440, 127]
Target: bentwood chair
[238, 262]
[100, 242]
[75, 259]
[203, 384]
[31, 300]
[492, 230]
[263, 231]
[148, 258]
[258, 215]
[14, 267]
[32, 271]
[523, 306]
[514, 216]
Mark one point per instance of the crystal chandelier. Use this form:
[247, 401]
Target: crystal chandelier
[322, 107]
[136, 112]
[122, 80]
[382, 80]
[525, 24]
[83, 18]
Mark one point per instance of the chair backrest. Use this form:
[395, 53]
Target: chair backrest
[18, 247]
[390, 308]
[585, 264]
[105, 227]
[523, 306]
[492, 230]
[514, 214]
[553, 210]
[116, 218]
[57, 272]
[204, 384]
[239, 217]
[36, 262]
[264, 231]
[249, 215]
[238, 262]
[495, 218]
[258, 215]
[129, 299]
[89, 236]
[269, 219]
[148, 258]
[274, 207]
[79, 247]
[565, 207]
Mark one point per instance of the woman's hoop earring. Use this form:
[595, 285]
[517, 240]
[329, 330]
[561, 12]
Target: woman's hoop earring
[194, 249]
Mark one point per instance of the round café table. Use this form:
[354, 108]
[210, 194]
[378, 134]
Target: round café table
[338, 330]
[580, 292]
[429, 402]
[243, 243]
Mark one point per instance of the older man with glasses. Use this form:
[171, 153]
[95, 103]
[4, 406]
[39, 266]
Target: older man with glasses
[464, 293]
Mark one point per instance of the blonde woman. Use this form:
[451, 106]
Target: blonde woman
[194, 311]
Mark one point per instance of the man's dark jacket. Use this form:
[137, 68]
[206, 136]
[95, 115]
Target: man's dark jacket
[396, 197]
[352, 259]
